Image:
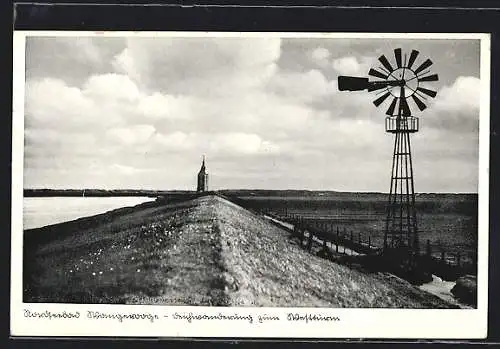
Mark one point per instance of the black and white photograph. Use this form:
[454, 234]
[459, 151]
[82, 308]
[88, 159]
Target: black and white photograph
[206, 171]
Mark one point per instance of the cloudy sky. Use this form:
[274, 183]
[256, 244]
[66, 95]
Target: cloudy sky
[136, 112]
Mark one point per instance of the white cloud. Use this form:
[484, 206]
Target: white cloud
[456, 107]
[71, 59]
[199, 66]
[463, 94]
[49, 137]
[51, 103]
[351, 65]
[303, 87]
[320, 56]
[136, 134]
[125, 170]
[109, 87]
[346, 65]
[159, 104]
[176, 141]
[124, 62]
[243, 143]
[105, 101]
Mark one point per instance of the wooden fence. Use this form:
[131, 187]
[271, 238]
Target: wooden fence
[326, 232]
[434, 257]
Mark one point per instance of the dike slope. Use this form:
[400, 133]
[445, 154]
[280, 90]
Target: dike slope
[203, 251]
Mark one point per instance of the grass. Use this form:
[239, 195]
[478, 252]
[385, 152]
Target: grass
[138, 254]
[271, 269]
[447, 220]
[204, 251]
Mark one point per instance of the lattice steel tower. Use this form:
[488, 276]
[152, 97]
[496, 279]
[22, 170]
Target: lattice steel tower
[398, 84]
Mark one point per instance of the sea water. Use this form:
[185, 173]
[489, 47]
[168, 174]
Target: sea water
[41, 211]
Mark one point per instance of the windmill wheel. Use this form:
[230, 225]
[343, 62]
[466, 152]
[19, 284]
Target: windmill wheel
[402, 82]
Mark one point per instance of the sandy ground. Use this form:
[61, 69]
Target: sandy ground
[205, 251]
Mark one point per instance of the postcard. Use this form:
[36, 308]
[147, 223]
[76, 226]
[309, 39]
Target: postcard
[285, 185]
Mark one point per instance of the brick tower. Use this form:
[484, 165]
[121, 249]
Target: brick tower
[202, 178]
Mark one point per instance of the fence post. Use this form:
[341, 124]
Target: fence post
[352, 238]
[442, 253]
[429, 249]
[459, 256]
[369, 241]
[337, 242]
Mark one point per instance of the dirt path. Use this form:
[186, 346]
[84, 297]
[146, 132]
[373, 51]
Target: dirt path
[193, 268]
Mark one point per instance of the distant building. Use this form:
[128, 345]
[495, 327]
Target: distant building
[202, 178]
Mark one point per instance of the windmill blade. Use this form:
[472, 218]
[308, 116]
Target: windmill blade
[405, 108]
[433, 77]
[381, 99]
[424, 65]
[390, 110]
[413, 57]
[386, 63]
[421, 106]
[397, 54]
[429, 93]
[377, 74]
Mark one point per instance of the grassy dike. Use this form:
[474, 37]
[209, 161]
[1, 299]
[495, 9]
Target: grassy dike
[201, 251]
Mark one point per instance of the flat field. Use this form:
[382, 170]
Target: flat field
[447, 220]
[203, 251]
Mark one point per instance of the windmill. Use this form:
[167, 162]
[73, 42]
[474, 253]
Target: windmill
[398, 85]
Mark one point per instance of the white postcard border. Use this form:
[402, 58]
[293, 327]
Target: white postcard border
[353, 323]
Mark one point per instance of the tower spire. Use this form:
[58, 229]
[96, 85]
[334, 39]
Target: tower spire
[203, 164]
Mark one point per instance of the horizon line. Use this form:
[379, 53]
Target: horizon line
[252, 189]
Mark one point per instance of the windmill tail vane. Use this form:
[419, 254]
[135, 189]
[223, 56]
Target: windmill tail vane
[401, 85]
